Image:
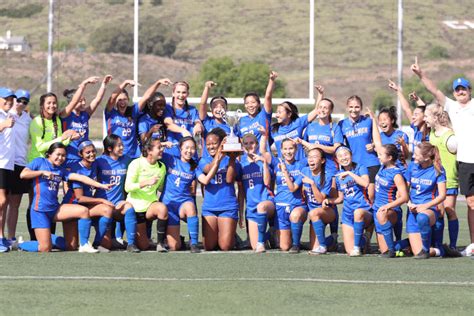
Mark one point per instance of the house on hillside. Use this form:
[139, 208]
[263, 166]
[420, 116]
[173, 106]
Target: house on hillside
[14, 43]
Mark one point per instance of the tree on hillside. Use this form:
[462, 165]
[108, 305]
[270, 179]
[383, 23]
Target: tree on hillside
[235, 80]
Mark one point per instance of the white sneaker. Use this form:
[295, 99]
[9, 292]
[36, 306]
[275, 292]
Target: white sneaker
[320, 250]
[355, 252]
[260, 248]
[103, 249]
[468, 251]
[87, 248]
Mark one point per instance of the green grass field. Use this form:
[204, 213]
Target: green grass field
[233, 283]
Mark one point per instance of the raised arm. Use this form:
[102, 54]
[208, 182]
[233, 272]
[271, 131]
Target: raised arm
[314, 112]
[77, 96]
[205, 95]
[403, 101]
[267, 104]
[116, 93]
[151, 90]
[99, 96]
[430, 85]
[375, 131]
[206, 178]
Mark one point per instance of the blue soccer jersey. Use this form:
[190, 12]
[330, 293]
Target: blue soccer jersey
[283, 194]
[355, 196]
[385, 187]
[423, 183]
[218, 194]
[418, 137]
[250, 125]
[357, 135]
[126, 128]
[79, 123]
[209, 124]
[45, 191]
[110, 171]
[252, 181]
[87, 190]
[178, 180]
[183, 118]
[308, 191]
[146, 122]
[326, 135]
[292, 130]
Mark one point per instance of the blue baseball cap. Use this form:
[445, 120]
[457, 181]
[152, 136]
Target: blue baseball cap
[5, 93]
[20, 93]
[461, 82]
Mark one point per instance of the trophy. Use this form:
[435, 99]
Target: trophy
[232, 144]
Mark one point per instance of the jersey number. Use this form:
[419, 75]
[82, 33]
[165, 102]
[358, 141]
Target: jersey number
[115, 180]
[127, 132]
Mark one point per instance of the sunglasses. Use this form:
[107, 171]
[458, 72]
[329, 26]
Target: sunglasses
[24, 101]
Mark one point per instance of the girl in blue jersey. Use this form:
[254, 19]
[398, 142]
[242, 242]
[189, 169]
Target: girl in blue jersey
[122, 119]
[181, 119]
[317, 184]
[427, 182]
[151, 124]
[290, 125]
[47, 174]
[421, 131]
[112, 169]
[220, 206]
[177, 193]
[255, 182]
[352, 183]
[258, 115]
[390, 194]
[78, 118]
[290, 208]
[390, 134]
[357, 133]
[80, 193]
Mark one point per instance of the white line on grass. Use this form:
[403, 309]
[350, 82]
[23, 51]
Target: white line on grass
[310, 280]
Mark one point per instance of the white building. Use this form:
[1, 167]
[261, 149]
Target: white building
[14, 43]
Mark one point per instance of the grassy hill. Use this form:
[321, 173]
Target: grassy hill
[355, 41]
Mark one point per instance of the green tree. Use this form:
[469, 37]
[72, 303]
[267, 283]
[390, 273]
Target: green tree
[220, 70]
[382, 99]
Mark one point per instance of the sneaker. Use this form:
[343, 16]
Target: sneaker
[355, 252]
[15, 242]
[468, 251]
[194, 249]
[320, 250]
[451, 252]
[161, 248]
[388, 254]
[294, 249]
[119, 243]
[87, 248]
[102, 249]
[260, 248]
[133, 249]
[422, 255]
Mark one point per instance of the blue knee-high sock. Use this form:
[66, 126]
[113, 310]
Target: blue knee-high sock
[402, 244]
[30, 246]
[319, 227]
[425, 230]
[334, 225]
[130, 225]
[193, 229]
[437, 233]
[261, 219]
[58, 242]
[398, 227]
[358, 231]
[453, 227]
[296, 231]
[84, 227]
[102, 227]
[119, 229]
[386, 230]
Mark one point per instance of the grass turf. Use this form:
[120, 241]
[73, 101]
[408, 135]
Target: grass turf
[233, 283]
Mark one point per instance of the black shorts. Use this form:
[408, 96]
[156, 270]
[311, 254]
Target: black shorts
[6, 179]
[19, 186]
[466, 178]
[373, 172]
[141, 217]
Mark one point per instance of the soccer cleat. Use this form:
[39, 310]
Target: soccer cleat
[133, 249]
[355, 252]
[161, 248]
[320, 250]
[422, 255]
[294, 249]
[102, 249]
[468, 252]
[260, 248]
[388, 254]
[194, 249]
[87, 248]
[451, 252]
[119, 243]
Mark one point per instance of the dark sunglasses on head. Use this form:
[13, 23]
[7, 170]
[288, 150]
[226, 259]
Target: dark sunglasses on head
[24, 101]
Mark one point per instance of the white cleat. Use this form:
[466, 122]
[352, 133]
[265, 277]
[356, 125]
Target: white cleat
[320, 250]
[468, 252]
[87, 248]
[260, 248]
[355, 252]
